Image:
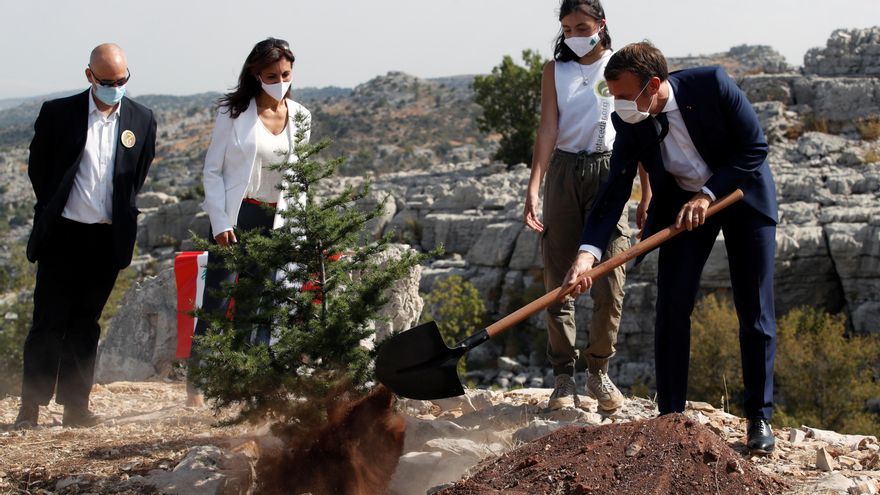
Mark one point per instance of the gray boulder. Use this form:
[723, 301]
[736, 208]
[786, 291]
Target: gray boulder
[173, 223]
[848, 52]
[141, 339]
[495, 244]
[769, 87]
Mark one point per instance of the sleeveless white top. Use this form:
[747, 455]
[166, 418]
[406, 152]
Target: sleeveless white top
[271, 149]
[585, 106]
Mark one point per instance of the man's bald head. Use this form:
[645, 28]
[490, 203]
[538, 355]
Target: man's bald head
[107, 61]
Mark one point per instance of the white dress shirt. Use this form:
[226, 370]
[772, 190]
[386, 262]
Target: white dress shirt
[91, 198]
[680, 158]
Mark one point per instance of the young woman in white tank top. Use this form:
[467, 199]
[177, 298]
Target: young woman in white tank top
[572, 153]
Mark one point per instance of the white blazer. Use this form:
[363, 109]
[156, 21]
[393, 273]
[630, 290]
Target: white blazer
[230, 160]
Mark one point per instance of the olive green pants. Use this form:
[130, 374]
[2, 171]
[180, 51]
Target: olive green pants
[571, 184]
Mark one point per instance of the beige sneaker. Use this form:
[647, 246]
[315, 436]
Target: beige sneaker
[601, 388]
[564, 394]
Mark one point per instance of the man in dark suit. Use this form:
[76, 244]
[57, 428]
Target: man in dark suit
[88, 159]
[699, 139]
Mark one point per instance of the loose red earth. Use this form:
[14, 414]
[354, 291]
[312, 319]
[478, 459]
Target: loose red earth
[671, 454]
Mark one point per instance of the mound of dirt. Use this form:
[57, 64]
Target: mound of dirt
[669, 454]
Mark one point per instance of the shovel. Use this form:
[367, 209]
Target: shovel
[417, 363]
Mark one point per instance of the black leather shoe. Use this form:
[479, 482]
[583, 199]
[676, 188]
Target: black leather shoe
[79, 417]
[761, 441]
[28, 416]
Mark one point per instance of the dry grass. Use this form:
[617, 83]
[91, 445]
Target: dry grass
[869, 128]
[794, 131]
[871, 156]
[815, 124]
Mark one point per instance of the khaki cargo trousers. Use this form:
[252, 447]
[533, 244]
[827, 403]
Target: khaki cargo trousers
[571, 184]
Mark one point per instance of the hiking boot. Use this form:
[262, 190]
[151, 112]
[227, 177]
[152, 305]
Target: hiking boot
[79, 417]
[601, 388]
[28, 416]
[564, 393]
[760, 437]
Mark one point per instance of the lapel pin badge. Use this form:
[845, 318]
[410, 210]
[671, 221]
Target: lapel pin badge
[128, 138]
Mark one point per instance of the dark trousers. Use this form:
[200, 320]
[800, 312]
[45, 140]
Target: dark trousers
[75, 274]
[250, 217]
[750, 241]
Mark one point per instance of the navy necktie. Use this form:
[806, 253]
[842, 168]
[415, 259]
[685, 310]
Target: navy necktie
[664, 126]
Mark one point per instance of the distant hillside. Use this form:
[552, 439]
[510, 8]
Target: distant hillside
[739, 61]
[14, 102]
[398, 122]
[392, 122]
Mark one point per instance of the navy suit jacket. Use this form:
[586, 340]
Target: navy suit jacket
[726, 132]
[60, 133]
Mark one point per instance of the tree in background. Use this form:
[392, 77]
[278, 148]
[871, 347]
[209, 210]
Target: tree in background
[319, 307]
[511, 101]
[824, 377]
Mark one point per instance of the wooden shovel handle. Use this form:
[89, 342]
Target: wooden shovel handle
[604, 268]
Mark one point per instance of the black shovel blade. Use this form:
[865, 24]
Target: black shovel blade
[417, 364]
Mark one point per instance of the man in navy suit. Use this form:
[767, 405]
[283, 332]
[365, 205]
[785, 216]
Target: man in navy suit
[699, 139]
[88, 159]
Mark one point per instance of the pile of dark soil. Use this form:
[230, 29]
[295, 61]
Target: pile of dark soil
[671, 454]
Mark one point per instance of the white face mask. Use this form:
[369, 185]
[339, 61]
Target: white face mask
[583, 45]
[628, 110]
[277, 90]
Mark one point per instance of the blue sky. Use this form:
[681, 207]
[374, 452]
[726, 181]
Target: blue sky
[189, 46]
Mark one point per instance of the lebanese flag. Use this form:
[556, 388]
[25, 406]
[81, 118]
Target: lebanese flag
[190, 268]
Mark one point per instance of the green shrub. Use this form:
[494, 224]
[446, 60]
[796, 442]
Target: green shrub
[457, 308]
[823, 376]
[17, 280]
[15, 322]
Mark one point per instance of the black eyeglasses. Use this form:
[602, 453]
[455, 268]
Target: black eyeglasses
[110, 83]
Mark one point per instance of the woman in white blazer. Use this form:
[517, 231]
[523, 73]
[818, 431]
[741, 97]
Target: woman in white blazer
[256, 127]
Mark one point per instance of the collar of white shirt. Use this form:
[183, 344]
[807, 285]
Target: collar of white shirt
[671, 104]
[93, 107]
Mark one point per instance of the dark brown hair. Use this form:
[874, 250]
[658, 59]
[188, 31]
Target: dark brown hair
[264, 53]
[642, 59]
[592, 8]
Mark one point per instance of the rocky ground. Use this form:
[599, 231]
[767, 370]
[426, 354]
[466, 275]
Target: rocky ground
[150, 443]
[146, 430]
